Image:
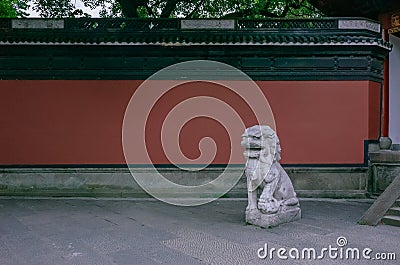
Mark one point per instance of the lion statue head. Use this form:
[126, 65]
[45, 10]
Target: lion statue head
[261, 143]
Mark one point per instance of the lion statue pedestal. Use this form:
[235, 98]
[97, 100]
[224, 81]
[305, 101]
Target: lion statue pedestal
[277, 202]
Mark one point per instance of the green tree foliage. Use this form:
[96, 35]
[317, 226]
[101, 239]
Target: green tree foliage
[13, 8]
[205, 8]
[167, 8]
[57, 8]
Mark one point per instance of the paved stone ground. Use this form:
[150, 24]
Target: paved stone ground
[145, 231]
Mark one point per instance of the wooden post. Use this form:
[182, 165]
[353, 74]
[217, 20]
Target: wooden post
[378, 209]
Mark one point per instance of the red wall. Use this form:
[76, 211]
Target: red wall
[324, 121]
[80, 122]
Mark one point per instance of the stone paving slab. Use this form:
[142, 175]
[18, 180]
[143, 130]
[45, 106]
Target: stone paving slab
[145, 231]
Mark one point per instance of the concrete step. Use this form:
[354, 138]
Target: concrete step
[397, 203]
[394, 211]
[391, 220]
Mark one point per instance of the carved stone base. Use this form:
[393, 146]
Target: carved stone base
[255, 217]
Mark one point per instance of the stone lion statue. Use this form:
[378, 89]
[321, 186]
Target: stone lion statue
[277, 202]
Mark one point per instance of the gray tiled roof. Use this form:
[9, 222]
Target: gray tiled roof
[317, 32]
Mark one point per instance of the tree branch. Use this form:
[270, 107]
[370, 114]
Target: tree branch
[195, 9]
[149, 10]
[285, 10]
[169, 7]
[129, 7]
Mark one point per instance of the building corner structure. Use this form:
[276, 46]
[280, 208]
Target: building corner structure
[385, 160]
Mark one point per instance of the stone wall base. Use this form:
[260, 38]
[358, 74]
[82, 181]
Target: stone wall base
[326, 182]
[384, 168]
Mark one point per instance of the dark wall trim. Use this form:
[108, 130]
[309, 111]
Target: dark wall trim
[139, 62]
